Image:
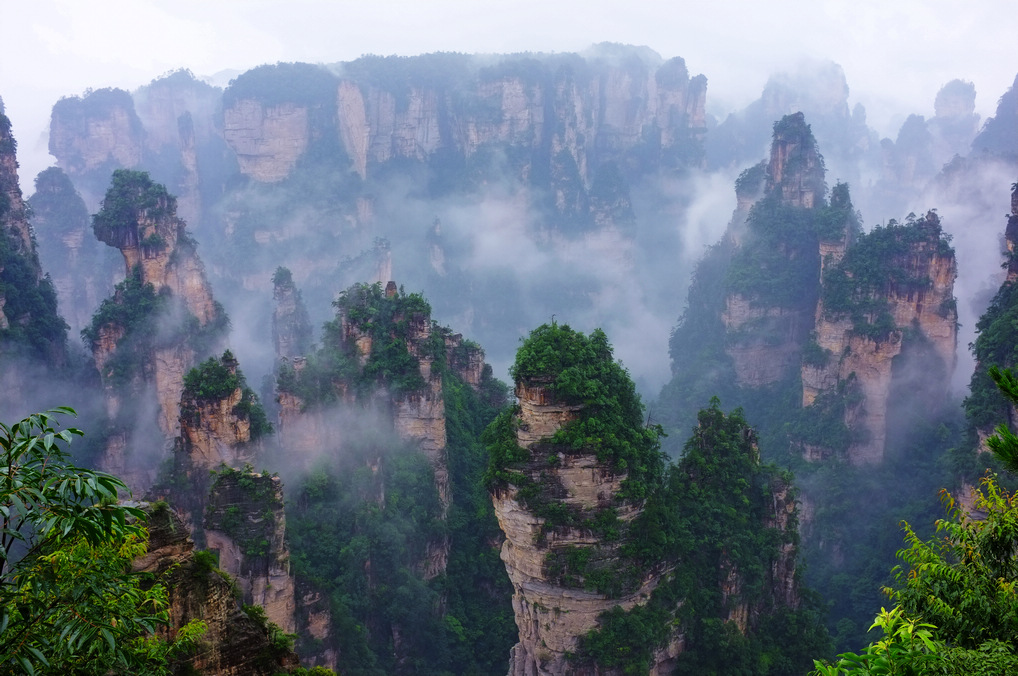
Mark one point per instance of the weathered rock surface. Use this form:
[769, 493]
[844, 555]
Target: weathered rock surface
[267, 140]
[551, 618]
[234, 644]
[291, 326]
[926, 310]
[765, 340]
[245, 525]
[100, 129]
[769, 340]
[13, 218]
[154, 242]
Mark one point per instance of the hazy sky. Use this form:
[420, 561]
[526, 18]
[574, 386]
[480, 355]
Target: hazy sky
[896, 53]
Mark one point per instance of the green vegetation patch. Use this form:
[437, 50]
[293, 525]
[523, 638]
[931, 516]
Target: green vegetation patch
[243, 504]
[131, 196]
[877, 265]
[581, 370]
[216, 379]
[272, 85]
[712, 515]
[390, 323]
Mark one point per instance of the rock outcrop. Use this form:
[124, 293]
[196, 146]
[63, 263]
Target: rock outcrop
[268, 140]
[236, 643]
[99, 130]
[139, 219]
[910, 300]
[13, 217]
[765, 334]
[291, 326]
[29, 324]
[245, 526]
[82, 269]
[576, 503]
[552, 617]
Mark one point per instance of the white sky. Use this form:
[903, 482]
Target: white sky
[896, 53]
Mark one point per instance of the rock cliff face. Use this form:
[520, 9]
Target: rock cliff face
[29, 324]
[13, 217]
[552, 617]
[418, 412]
[179, 114]
[912, 302]
[590, 114]
[98, 130]
[214, 431]
[268, 140]
[231, 510]
[576, 506]
[235, 644]
[139, 219]
[291, 327]
[81, 268]
[246, 527]
[764, 336]
[800, 295]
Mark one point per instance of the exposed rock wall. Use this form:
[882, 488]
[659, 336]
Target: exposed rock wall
[234, 644]
[551, 618]
[214, 434]
[14, 218]
[98, 130]
[82, 269]
[795, 165]
[291, 326]
[920, 311]
[464, 358]
[246, 527]
[267, 140]
[154, 241]
[179, 114]
[768, 342]
[595, 113]
[29, 323]
[765, 339]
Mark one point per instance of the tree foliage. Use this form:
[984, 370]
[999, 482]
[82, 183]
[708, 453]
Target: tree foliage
[956, 594]
[581, 370]
[68, 601]
[712, 515]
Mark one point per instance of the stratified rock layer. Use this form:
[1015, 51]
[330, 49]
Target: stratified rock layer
[552, 618]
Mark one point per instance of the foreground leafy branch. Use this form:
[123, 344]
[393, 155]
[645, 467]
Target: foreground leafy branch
[68, 599]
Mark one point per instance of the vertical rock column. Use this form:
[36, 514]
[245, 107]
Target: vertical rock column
[551, 617]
